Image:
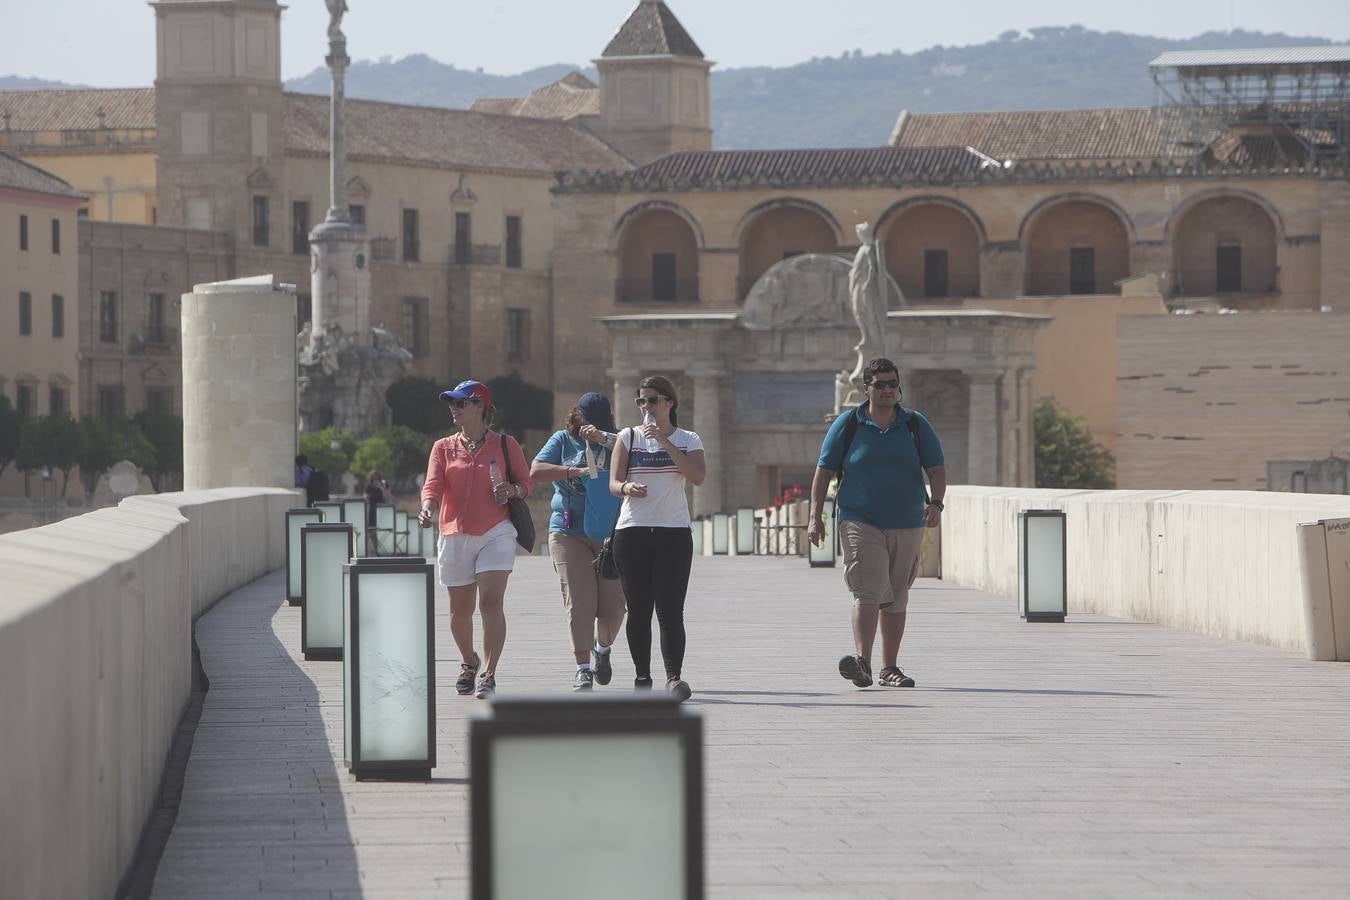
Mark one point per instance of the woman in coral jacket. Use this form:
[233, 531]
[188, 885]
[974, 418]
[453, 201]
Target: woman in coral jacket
[470, 476]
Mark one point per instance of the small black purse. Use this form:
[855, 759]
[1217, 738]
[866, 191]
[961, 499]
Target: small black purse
[606, 566]
[518, 509]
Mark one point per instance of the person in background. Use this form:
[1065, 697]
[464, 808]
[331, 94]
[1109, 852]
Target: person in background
[583, 516]
[470, 476]
[652, 544]
[377, 492]
[303, 471]
[316, 488]
[883, 452]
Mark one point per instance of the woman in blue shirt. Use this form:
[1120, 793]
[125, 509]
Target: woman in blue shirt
[583, 516]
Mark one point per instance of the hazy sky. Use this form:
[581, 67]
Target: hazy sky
[111, 42]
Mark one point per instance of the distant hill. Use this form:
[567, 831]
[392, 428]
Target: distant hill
[852, 100]
[15, 83]
[845, 101]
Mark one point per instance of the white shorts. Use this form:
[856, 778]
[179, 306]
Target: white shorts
[462, 557]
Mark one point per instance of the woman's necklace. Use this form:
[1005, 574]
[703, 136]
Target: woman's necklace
[472, 445]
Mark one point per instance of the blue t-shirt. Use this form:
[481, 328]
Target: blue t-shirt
[883, 482]
[564, 450]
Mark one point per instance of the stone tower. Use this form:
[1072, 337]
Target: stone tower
[654, 93]
[219, 108]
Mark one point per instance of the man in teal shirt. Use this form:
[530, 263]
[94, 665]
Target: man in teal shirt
[883, 450]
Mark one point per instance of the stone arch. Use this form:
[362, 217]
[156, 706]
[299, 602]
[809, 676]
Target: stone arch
[1075, 244]
[635, 212]
[778, 229]
[932, 247]
[1224, 242]
[657, 245]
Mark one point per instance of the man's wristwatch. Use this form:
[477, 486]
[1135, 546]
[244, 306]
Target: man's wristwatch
[937, 503]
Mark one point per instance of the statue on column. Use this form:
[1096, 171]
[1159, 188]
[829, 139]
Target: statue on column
[336, 10]
[869, 297]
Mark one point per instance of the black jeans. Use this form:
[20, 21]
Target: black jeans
[654, 568]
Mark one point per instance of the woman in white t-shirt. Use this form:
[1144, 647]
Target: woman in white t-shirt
[652, 542]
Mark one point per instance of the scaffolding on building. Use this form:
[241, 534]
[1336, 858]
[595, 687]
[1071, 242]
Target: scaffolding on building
[1300, 95]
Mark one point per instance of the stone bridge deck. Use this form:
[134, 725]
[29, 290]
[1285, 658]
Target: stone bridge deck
[1094, 758]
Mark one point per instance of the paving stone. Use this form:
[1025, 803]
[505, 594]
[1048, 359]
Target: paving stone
[1097, 758]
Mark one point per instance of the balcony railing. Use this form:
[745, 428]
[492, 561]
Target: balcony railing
[479, 255]
[382, 248]
[645, 290]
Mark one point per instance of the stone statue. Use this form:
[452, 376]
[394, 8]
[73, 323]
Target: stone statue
[336, 9]
[869, 296]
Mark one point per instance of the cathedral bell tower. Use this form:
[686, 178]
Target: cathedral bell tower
[220, 116]
[654, 93]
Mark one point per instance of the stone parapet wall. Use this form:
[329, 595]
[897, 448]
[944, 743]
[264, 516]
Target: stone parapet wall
[96, 669]
[1222, 563]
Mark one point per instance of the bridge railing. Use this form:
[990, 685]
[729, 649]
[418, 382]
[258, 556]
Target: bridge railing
[96, 620]
[1222, 563]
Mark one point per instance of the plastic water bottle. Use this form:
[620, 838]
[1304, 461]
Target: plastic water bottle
[649, 419]
[495, 477]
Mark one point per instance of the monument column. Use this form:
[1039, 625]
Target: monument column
[708, 425]
[239, 384]
[339, 251]
[982, 429]
[625, 389]
[1026, 469]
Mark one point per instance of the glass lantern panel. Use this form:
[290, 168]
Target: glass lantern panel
[401, 532]
[548, 789]
[825, 552]
[696, 530]
[745, 531]
[326, 553]
[429, 543]
[1022, 566]
[720, 533]
[294, 522]
[346, 667]
[331, 510]
[392, 638]
[354, 513]
[1045, 564]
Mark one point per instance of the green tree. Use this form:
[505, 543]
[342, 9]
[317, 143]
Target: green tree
[317, 446]
[9, 433]
[99, 449]
[164, 431]
[520, 405]
[64, 441]
[1067, 456]
[34, 447]
[409, 450]
[416, 404]
[132, 444]
[374, 453]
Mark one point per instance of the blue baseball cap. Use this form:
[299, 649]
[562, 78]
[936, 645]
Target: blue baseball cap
[596, 410]
[469, 390]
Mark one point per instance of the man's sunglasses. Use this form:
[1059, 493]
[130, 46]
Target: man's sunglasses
[884, 385]
[459, 404]
[648, 401]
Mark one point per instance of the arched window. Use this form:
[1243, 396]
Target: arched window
[1076, 247]
[1224, 245]
[933, 252]
[658, 259]
[778, 233]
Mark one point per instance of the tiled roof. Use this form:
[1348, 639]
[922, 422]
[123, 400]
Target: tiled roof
[77, 110]
[1276, 148]
[1116, 133]
[732, 169]
[652, 30]
[448, 137]
[1273, 56]
[570, 97]
[19, 175]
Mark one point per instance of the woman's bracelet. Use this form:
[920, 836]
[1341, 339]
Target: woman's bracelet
[623, 489]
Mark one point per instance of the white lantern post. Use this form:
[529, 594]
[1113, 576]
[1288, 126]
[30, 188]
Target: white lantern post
[1042, 565]
[296, 519]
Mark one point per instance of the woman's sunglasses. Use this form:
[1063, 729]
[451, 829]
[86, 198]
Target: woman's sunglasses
[460, 404]
[648, 401]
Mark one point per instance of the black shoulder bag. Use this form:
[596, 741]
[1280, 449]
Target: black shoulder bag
[605, 564]
[517, 508]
